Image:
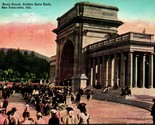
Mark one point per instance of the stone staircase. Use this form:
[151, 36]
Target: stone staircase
[114, 96]
[143, 94]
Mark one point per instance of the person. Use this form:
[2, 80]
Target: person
[27, 108]
[105, 89]
[4, 92]
[70, 118]
[11, 119]
[1, 103]
[15, 114]
[31, 120]
[3, 119]
[12, 116]
[88, 94]
[37, 104]
[5, 104]
[54, 120]
[78, 98]
[13, 110]
[39, 119]
[27, 120]
[126, 91]
[81, 91]
[41, 106]
[72, 97]
[153, 111]
[83, 116]
[47, 108]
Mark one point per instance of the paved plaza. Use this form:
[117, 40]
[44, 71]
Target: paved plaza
[102, 112]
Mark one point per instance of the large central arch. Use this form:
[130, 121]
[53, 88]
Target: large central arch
[67, 61]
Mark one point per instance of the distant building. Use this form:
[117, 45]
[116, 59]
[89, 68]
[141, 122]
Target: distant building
[90, 51]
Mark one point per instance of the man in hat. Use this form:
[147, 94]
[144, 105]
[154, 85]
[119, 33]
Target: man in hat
[11, 119]
[13, 114]
[26, 119]
[153, 111]
[3, 118]
[70, 118]
[13, 110]
[39, 119]
[27, 108]
[5, 104]
[54, 120]
[83, 116]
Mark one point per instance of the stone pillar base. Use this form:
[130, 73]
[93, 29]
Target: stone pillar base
[56, 81]
[75, 84]
[83, 81]
[79, 82]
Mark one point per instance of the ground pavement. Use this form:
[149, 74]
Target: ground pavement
[101, 112]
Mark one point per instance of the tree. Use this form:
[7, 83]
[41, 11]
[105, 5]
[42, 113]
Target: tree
[32, 54]
[1, 73]
[24, 63]
[6, 73]
[16, 75]
[2, 59]
[45, 76]
[27, 76]
[10, 71]
[33, 76]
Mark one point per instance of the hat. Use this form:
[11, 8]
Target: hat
[81, 105]
[69, 108]
[39, 114]
[14, 109]
[53, 111]
[27, 105]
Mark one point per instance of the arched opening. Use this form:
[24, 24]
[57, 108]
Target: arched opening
[67, 62]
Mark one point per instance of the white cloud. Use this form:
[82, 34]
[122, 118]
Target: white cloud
[24, 18]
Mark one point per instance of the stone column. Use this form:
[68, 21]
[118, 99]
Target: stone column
[103, 71]
[89, 72]
[150, 71]
[57, 72]
[112, 72]
[109, 71]
[142, 76]
[122, 71]
[94, 71]
[115, 70]
[98, 70]
[106, 77]
[130, 69]
[91, 78]
[135, 71]
[76, 75]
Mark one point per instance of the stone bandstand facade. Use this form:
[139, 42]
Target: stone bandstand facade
[90, 50]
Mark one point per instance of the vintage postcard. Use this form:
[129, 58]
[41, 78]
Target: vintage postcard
[77, 62]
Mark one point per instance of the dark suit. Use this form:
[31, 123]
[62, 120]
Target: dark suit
[53, 121]
[153, 113]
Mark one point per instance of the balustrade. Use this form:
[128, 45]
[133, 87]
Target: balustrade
[121, 38]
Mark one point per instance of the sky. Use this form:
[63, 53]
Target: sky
[31, 27]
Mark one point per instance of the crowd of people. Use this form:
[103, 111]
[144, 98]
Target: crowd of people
[47, 101]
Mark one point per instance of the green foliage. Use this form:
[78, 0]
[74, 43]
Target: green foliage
[17, 65]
